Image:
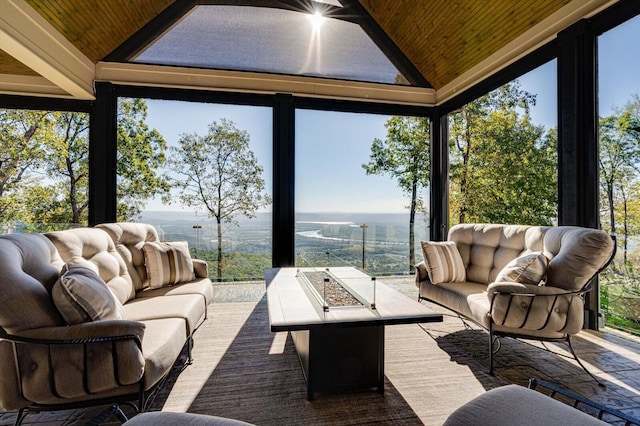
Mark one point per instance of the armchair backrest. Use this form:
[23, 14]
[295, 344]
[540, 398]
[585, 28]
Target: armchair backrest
[576, 254]
[29, 267]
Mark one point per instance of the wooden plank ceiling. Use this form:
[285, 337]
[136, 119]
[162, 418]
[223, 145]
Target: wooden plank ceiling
[443, 38]
[98, 27]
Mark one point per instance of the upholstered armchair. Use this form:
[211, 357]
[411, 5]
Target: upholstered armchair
[516, 281]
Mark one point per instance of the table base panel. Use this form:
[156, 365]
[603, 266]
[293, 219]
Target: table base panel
[341, 358]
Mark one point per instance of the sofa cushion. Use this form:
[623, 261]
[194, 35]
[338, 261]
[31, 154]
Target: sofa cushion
[29, 267]
[443, 261]
[129, 239]
[468, 298]
[165, 418]
[487, 248]
[163, 341]
[576, 255]
[190, 308]
[94, 248]
[168, 263]
[517, 405]
[201, 286]
[81, 295]
[529, 268]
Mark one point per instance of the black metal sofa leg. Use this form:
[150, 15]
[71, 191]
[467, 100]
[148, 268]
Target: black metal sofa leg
[573, 352]
[22, 413]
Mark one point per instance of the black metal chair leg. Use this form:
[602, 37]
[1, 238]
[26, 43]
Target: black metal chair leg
[491, 352]
[573, 352]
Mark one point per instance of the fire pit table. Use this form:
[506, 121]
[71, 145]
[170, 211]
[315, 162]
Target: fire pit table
[337, 318]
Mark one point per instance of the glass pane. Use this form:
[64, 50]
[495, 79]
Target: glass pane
[619, 103]
[503, 155]
[273, 41]
[170, 174]
[44, 162]
[351, 202]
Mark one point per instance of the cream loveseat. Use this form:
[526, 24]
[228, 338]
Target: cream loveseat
[515, 281]
[68, 340]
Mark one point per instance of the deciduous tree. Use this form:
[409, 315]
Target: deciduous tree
[44, 166]
[404, 155]
[21, 151]
[219, 173]
[141, 153]
[503, 167]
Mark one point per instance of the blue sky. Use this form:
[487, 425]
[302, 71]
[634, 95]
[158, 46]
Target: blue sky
[331, 147]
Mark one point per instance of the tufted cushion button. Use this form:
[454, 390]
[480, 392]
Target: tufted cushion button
[523, 304]
[33, 366]
[557, 310]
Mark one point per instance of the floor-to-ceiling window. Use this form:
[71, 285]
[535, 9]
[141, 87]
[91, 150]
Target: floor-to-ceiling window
[619, 119]
[360, 190]
[200, 172]
[503, 154]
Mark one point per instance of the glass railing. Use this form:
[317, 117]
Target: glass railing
[620, 295]
[376, 247]
[378, 244]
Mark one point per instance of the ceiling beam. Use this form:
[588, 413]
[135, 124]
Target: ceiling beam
[252, 82]
[30, 85]
[29, 38]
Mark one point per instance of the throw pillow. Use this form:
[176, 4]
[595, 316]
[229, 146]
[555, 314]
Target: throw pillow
[80, 295]
[529, 268]
[443, 260]
[167, 263]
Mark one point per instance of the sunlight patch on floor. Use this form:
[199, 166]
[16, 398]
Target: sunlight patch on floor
[278, 343]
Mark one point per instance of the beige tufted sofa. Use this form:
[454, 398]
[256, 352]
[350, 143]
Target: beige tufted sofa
[48, 364]
[552, 311]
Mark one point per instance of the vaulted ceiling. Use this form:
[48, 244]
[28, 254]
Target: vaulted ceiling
[60, 47]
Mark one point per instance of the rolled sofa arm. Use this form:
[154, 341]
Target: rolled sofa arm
[536, 308]
[200, 268]
[421, 273]
[55, 363]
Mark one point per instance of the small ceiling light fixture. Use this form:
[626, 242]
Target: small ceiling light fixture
[316, 19]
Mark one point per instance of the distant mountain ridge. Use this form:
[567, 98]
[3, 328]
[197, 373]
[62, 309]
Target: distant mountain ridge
[158, 217]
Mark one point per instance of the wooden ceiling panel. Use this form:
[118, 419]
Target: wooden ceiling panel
[445, 38]
[10, 65]
[96, 27]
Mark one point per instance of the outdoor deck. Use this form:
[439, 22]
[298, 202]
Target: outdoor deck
[244, 371]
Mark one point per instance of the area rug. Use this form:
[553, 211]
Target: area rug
[244, 371]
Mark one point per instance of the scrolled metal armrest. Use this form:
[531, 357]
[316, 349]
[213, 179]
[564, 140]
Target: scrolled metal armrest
[530, 307]
[528, 290]
[85, 350]
[85, 340]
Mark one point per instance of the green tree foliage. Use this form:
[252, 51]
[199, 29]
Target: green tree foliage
[503, 167]
[404, 155]
[67, 166]
[21, 151]
[619, 183]
[218, 172]
[141, 152]
[44, 164]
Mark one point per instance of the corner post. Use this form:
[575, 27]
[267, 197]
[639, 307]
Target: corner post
[103, 155]
[578, 155]
[283, 182]
[439, 180]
